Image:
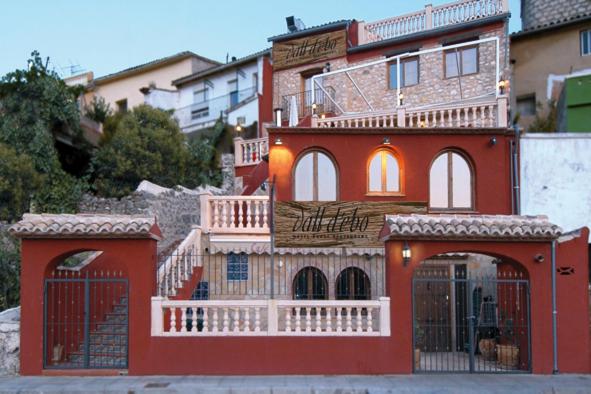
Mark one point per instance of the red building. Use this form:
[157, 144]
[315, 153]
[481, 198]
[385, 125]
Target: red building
[379, 236]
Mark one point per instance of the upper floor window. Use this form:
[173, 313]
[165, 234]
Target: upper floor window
[255, 82]
[409, 73]
[586, 42]
[526, 104]
[201, 95]
[315, 178]
[383, 173]
[461, 61]
[450, 182]
[121, 105]
[233, 92]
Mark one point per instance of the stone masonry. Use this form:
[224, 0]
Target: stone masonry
[9, 341]
[433, 87]
[536, 13]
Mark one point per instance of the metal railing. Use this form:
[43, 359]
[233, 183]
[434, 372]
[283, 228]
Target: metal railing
[210, 110]
[270, 317]
[304, 101]
[431, 18]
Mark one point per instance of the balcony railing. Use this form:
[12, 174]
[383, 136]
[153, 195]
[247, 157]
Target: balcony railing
[489, 113]
[235, 214]
[249, 152]
[304, 102]
[270, 318]
[431, 18]
[207, 112]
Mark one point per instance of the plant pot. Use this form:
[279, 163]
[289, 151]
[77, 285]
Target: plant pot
[417, 359]
[508, 356]
[487, 348]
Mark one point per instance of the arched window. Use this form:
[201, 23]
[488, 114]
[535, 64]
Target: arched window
[383, 173]
[353, 284]
[315, 178]
[310, 284]
[450, 182]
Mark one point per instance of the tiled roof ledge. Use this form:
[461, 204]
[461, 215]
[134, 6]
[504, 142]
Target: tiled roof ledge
[86, 226]
[470, 227]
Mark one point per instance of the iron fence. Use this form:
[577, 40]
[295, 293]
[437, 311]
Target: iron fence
[304, 102]
[299, 276]
[471, 324]
[85, 322]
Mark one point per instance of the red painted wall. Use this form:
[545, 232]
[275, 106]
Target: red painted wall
[417, 148]
[266, 99]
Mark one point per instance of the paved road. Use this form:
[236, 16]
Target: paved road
[440, 384]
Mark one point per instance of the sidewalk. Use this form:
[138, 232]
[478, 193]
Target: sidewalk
[301, 384]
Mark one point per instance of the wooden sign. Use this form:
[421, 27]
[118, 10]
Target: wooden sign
[336, 223]
[309, 49]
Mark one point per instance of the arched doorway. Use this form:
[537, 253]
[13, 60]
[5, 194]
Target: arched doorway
[352, 284]
[471, 313]
[310, 284]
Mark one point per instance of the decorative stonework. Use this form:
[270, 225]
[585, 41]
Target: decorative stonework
[83, 225]
[465, 227]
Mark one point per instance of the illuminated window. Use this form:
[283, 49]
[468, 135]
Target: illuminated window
[450, 182]
[383, 173]
[315, 178]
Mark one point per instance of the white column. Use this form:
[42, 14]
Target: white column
[157, 316]
[272, 317]
[205, 211]
[502, 111]
[238, 154]
[385, 316]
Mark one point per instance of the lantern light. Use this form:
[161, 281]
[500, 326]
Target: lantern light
[238, 128]
[386, 141]
[401, 99]
[278, 141]
[406, 253]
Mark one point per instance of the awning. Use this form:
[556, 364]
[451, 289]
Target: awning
[265, 248]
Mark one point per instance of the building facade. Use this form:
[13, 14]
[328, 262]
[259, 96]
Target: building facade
[551, 63]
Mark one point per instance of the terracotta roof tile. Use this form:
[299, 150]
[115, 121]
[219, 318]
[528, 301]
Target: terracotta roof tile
[84, 225]
[470, 227]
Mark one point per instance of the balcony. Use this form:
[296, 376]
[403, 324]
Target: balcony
[304, 102]
[205, 114]
[249, 152]
[431, 18]
[229, 215]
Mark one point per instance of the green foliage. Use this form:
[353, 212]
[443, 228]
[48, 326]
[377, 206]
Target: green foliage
[36, 106]
[9, 272]
[98, 109]
[18, 182]
[205, 157]
[146, 143]
[545, 121]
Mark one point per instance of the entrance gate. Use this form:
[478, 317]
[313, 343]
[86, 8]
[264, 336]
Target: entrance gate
[85, 320]
[470, 324]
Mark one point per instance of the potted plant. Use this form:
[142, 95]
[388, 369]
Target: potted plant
[507, 349]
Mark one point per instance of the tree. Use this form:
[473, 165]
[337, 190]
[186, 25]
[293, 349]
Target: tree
[35, 107]
[18, 182]
[98, 109]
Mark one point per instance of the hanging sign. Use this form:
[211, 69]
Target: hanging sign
[309, 49]
[335, 223]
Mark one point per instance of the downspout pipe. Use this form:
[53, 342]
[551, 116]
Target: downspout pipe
[515, 159]
[554, 311]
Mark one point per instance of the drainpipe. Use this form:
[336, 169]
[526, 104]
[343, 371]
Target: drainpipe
[554, 311]
[516, 172]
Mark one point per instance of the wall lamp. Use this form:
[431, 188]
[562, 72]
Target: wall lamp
[314, 108]
[238, 128]
[278, 117]
[278, 141]
[400, 99]
[327, 67]
[386, 141]
[502, 85]
[406, 254]
[493, 141]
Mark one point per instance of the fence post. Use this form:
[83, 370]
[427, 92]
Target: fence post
[272, 317]
[238, 156]
[385, 316]
[157, 317]
[502, 111]
[205, 211]
[401, 117]
[361, 33]
[428, 16]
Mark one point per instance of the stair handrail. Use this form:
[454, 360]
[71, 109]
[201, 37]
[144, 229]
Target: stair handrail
[177, 266]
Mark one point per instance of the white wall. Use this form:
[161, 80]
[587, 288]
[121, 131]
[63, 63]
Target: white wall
[556, 178]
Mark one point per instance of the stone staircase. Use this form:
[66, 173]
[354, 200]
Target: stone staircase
[107, 342]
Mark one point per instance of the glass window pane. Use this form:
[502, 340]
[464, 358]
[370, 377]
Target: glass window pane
[451, 64]
[411, 72]
[393, 69]
[438, 183]
[585, 38]
[392, 173]
[469, 61]
[304, 178]
[327, 179]
[462, 190]
[375, 173]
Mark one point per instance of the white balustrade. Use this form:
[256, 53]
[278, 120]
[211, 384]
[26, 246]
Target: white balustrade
[270, 317]
[235, 214]
[250, 152]
[430, 18]
[178, 266]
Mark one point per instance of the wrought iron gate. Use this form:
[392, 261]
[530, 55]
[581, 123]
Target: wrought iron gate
[470, 324]
[85, 320]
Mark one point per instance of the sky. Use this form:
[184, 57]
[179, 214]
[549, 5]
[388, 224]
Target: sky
[110, 35]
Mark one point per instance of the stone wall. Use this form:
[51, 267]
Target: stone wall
[536, 13]
[433, 87]
[9, 341]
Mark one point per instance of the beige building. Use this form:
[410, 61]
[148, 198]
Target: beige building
[554, 45]
[121, 90]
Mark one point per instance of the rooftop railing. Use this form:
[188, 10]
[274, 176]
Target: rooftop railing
[431, 18]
